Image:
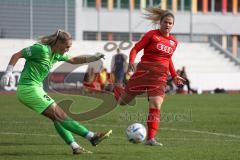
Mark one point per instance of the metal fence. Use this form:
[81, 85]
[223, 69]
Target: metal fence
[29, 19]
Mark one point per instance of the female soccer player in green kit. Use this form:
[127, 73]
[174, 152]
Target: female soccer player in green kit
[40, 58]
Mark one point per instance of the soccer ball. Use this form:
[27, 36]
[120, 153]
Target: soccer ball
[136, 133]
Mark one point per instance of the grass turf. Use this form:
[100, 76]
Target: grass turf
[192, 127]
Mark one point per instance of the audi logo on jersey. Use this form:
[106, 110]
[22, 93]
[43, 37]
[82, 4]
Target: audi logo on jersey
[164, 48]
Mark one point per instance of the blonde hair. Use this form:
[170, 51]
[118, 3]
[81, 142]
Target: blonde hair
[59, 35]
[156, 14]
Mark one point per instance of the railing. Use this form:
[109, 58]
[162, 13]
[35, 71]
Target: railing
[225, 52]
[29, 19]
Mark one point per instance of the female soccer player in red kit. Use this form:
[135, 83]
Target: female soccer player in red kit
[152, 71]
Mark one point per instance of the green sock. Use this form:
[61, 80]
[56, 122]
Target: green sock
[65, 134]
[74, 127]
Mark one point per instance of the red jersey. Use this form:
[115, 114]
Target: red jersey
[157, 48]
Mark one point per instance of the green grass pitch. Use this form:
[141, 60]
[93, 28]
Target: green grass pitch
[193, 127]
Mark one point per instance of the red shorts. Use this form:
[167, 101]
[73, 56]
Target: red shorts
[149, 77]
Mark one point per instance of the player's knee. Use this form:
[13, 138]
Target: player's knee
[60, 116]
[57, 113]
[155, 102]
[156, 105]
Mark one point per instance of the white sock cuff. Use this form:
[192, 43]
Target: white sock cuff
[89, 135]
[74, 145]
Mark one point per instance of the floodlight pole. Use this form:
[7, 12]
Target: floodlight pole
[191, 22]
[66, 15]
[31, 20]
[99, 36]
[130, 21]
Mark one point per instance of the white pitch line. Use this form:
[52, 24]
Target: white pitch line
[27, 134]
[162, 128]
[181, 130]
[204, 132]
[113, 137]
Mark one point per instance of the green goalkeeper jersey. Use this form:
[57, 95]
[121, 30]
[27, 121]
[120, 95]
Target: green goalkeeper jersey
[39, 61]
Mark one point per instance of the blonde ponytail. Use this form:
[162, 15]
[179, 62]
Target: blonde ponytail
[156, 14]
[59, 35]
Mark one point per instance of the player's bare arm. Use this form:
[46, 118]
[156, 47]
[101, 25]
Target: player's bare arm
[15, 57]
[85, 59]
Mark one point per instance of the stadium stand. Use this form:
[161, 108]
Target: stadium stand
[207, 68]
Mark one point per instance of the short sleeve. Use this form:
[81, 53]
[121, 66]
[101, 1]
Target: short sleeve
[34, 51]
[26, 52]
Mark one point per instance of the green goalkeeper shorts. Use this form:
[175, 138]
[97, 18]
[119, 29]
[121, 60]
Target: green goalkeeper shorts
[34, 97]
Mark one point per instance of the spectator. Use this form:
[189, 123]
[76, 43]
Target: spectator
[119, 62]
[183, 74]
[104, 79]
[90, 82]
[180, 88]
[170, 88]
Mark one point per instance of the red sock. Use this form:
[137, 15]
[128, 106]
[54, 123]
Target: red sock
[117, 92]
[153, 122]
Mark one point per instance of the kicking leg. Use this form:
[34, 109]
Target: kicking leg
[68, 138]
[56, 114]
[122, 97]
